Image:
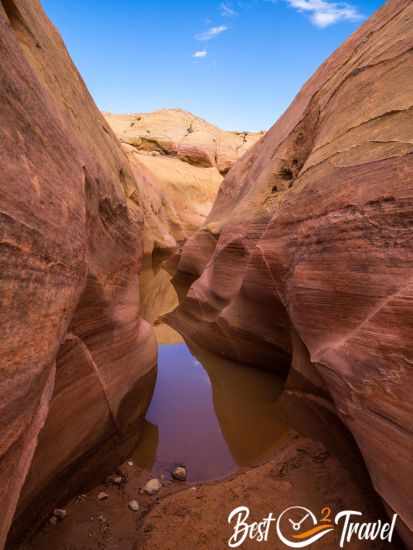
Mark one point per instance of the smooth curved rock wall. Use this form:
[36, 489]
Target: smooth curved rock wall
[308, 249]
[73, 344]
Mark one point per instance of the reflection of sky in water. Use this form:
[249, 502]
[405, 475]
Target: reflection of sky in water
[207, 413]
[212, 418]
[182, 408]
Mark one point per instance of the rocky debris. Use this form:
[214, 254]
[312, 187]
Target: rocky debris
[74, 348]
[179, 473]
[102, 496]
[152, 486]
[133, 505]
[307, 256]
[130, 463]
[53, 520]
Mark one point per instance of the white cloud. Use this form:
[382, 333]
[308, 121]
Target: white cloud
[211, 33]
[200, 54]
[324, 13]
[227, 10]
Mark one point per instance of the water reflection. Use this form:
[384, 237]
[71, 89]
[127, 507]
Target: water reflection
[158, 296]
[210, 414]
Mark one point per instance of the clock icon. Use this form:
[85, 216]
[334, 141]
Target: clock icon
[298, 527]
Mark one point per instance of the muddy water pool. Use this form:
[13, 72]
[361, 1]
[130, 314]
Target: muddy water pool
[212, 415]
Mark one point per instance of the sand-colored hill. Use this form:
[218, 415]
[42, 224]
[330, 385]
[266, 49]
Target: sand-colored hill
[185, 158]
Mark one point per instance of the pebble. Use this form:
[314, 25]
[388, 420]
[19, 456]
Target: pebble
[102, 496]
[59, 513]
[53, 520]
[152, 486]
[116, 480]
[133, 505]
[130, 463]
[179, 473]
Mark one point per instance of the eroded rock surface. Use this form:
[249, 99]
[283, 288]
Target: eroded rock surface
[75, 356]
[179, 134]
[308, 250]
[181, 159]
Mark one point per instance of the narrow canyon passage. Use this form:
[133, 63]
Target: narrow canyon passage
[299, 244]
[209, 414]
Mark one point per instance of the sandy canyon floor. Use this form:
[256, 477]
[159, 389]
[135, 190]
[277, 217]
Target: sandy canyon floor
[314, 462]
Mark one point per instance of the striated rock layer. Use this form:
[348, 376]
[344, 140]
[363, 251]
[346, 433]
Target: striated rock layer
[180, 159]
[76, 360]
[308, 251]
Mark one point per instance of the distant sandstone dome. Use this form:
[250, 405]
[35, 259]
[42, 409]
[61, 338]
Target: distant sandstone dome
[179, 161]
[182, 160]
[178, 133]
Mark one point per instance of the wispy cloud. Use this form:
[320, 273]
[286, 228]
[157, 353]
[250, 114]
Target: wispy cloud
[211, 33]
[200, 54]
[227, 10]
[324, 13]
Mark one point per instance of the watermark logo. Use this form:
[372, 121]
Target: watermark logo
[299, 527]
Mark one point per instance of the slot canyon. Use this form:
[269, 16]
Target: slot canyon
[237, 305]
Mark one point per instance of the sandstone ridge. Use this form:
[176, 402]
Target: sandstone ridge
[179, 160]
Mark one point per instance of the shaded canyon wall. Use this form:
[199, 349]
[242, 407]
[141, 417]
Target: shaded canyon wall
[74, 348]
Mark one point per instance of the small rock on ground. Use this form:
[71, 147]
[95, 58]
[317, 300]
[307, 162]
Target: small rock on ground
[133, 505]
[59, 513]
[115, 480]
[152, 486]
[179, 473]
[102, 496]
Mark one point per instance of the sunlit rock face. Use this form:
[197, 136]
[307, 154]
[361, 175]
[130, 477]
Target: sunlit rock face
[182, 159]
[308, 249]
[74, 349]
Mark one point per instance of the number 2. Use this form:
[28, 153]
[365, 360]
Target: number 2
[326, 514]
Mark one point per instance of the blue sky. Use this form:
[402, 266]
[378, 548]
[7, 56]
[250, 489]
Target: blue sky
[236, 63]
